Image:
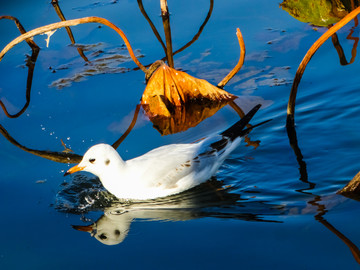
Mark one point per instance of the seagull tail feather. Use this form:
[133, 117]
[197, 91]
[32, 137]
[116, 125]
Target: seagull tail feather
[237, 130]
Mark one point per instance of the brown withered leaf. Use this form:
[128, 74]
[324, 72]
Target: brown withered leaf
[184, 117]
[168, 88]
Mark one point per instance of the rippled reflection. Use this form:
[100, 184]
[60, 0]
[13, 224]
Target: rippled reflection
[321, 204]
[85, 196]
[30, 63]
[57, 8]
[210, 199]
[63, 157]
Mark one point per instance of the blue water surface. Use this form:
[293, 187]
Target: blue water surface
[260, 212]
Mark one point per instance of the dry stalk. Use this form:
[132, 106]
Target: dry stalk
[74, 22]
[306, 59]
[166, 22]
[239, 64]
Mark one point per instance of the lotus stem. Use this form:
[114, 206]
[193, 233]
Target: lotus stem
[51, 27]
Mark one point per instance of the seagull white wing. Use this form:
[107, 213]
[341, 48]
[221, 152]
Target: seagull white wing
[191, 164]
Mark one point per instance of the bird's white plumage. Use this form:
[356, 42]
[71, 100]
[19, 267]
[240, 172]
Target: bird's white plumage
[161, 172]
[165, 170]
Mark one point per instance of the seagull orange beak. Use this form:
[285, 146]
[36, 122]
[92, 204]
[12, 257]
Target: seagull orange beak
[88, 228]
[74, 169]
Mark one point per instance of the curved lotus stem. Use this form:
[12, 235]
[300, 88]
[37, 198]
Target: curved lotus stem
[51, 27]
[306, 59]
[239, 64]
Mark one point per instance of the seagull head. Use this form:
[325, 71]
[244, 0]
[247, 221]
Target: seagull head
[110, 229]
[97, 160]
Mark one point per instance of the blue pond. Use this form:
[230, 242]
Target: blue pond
[270, 207]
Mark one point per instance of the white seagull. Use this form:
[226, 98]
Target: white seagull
[166, 170]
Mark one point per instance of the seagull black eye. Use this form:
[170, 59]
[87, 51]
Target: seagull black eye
[92, 160]
[107, 162]
[103, 236]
